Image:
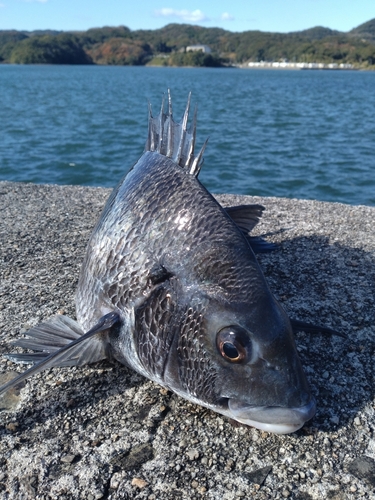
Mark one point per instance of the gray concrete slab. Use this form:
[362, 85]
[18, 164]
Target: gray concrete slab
[103, 431]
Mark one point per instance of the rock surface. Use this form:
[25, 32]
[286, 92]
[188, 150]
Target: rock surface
[103, 431]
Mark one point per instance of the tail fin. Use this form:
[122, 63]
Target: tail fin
[173, 139]
[62, 343]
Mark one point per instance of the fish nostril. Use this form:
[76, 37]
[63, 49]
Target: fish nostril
[271, 366]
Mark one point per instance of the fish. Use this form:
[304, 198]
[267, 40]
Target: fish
[170, 286]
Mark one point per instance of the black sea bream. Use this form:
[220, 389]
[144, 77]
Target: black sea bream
[170, 286]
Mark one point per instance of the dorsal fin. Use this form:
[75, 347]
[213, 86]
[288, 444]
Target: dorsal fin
[245, 216]
[174, 139]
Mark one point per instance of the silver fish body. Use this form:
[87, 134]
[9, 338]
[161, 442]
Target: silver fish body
[183, 298]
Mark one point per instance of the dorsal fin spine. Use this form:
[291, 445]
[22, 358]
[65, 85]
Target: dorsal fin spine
[198, 161]
[174, 139]
[183, 130]
[150, 144]
[161, 126]
[192, 131]
[170, 127]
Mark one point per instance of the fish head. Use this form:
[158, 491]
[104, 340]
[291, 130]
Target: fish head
[242, 362]
[262, 379]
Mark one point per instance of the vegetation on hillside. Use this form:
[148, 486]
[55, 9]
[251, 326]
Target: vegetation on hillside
[8, 41]
[47, 49]
[198, 59]
[120, 51]
[166, 46]
[365, 31]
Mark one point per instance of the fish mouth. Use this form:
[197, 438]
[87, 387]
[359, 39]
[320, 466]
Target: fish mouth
[276, 419]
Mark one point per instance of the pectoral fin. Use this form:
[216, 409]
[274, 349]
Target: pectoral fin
[62, 343]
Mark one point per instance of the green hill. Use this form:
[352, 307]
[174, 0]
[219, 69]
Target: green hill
[166, 46]
[49, 49]
[365, 31]
[316, 33]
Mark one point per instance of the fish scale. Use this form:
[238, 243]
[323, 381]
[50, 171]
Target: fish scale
[155, 324]
[197, 373]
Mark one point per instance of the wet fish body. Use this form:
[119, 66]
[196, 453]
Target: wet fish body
[170, 286]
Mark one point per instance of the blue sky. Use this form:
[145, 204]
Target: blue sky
[234, 15]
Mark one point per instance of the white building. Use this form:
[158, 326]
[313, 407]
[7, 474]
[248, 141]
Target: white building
[198, 48]
[298, 65]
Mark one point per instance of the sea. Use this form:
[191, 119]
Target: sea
[295, 134]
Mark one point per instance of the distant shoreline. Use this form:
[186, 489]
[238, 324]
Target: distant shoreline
[234, 66]
[184, 45]
[268, 68]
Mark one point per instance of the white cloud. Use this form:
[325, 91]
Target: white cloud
[192, 16]
[225, 16]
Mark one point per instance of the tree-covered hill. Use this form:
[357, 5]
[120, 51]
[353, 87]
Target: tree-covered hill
[64, 48]
[166, 46]
[316, 33]
[365, 31]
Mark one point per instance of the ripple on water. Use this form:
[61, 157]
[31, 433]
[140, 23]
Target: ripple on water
[297, 134]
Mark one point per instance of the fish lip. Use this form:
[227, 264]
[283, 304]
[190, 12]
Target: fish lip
[276, 419]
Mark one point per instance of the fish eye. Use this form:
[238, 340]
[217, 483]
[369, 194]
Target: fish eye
[233, 343]
[230, 351]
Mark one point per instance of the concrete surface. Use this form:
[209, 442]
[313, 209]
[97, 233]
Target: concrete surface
[103, 431]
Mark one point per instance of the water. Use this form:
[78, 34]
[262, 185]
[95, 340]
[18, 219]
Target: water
[300, 134]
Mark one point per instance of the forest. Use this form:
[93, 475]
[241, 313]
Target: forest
[167, 46]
